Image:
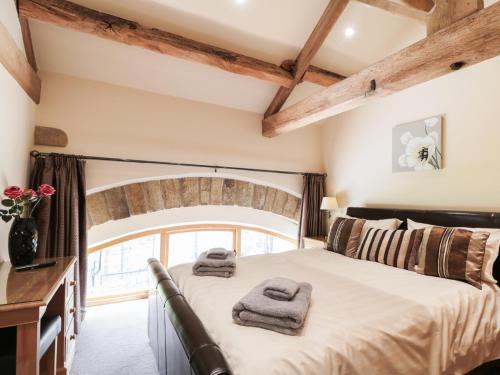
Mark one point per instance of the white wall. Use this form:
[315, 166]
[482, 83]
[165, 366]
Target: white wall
[358, 156]
[108, 120]
[16, 122]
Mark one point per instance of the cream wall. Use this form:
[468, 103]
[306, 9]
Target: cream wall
[357, 146]
[16, 122]
[108, 120]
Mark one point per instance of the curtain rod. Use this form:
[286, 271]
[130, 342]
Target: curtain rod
[37, 154]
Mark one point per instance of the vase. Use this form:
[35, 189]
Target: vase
[23, 240]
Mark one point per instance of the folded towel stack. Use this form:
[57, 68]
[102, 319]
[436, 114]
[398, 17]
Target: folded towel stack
[218, 253]
[279, 305]
[217, 263]
[281, 289]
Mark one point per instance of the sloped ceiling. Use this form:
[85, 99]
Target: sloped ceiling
[270, 30]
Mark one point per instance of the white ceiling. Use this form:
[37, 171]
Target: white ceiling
[271, 30]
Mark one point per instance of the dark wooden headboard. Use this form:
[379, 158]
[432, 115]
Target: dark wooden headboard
[443, 218]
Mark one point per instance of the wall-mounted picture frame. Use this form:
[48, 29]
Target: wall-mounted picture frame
[417, 145]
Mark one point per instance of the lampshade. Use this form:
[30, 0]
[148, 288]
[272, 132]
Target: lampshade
[329, 203]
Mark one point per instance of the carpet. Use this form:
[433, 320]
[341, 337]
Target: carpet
[114, 341]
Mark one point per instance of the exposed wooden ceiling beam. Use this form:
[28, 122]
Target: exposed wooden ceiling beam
[314, 74]
[66, 14]
[399, 9]
[424, 5]
[28, 44]
[466, 42]
[14, 61]
[447, 12]
[325, 24]
[322, 77]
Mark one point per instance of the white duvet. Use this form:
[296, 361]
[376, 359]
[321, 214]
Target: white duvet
[365, 318]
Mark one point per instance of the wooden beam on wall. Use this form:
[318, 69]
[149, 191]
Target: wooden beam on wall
[447, 12]
[424, 5]
[66, 14]
[15, 62]
[467, 42]
[47, 136]
[399, 9]
[28, 43]
[328, 19]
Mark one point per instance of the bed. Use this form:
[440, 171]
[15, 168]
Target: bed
[365, 317]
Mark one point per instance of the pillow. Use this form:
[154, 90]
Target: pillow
[397, 248]
[491, 252]
[344, 235]
[382, 224]
[452, 253]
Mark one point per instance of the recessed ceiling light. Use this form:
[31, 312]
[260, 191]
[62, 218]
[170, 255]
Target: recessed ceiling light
[240, 2]
[349, 32]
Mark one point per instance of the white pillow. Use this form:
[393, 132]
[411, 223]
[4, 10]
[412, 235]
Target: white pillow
[391, 224]
[491, 250]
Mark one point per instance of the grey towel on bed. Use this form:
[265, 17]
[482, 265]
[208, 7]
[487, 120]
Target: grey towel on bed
[257, 310]
[218, 253]
[281, 288]
[205, 266]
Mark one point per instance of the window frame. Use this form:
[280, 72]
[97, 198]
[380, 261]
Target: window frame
[164, 244]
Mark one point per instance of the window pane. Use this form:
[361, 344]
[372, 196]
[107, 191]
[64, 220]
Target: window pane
[187, 246]
[123, 267]
[253, 243]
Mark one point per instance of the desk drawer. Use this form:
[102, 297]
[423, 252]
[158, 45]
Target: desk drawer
[70, 340]
[69, 311]
[70, 283]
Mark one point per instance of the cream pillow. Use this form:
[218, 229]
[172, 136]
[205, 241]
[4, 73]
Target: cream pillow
[391, 224]
[491, 250]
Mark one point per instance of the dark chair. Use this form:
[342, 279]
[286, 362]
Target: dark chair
[50, 328]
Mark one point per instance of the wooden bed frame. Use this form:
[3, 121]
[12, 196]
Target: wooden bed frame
[181, 344]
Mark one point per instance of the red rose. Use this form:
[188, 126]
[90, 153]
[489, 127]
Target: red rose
[13, 192]
[46, 190]
[30, 193]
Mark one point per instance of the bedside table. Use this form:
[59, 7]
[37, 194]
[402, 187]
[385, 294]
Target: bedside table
[315, 241]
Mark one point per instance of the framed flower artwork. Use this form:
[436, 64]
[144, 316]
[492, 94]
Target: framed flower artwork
[416, 146]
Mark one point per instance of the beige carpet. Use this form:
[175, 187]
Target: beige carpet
[114, 341]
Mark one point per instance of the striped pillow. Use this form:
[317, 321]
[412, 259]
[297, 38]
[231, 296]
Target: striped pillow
[453, 253]
[344, 235]
[397, 248]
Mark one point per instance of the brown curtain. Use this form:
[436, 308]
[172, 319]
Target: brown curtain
[311, 221]
[61, 220]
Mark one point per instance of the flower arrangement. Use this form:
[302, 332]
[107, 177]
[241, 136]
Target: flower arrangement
[19, 202]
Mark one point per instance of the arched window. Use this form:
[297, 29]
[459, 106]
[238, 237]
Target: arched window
[117, 270]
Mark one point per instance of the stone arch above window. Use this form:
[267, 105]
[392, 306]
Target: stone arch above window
[140, 198]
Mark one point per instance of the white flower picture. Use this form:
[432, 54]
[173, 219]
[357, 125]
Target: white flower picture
[417, 145]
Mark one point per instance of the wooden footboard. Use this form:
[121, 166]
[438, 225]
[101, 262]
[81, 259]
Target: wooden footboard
[179, 341]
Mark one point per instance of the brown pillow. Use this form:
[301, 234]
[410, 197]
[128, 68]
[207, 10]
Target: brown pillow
[344, 236]
[396, 248]
[453, 253]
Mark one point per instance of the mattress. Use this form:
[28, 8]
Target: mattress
[364, 318]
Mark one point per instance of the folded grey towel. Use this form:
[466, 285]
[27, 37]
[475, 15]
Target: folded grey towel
[281, 288]
[218, 253]
[257, 310]
[205, 266]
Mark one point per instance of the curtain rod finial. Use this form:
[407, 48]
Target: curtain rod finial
[34, 153]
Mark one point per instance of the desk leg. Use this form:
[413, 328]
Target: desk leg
[48, 363]
[28, 339]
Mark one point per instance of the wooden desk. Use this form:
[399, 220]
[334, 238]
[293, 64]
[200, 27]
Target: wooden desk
[25, 297]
